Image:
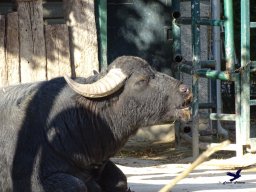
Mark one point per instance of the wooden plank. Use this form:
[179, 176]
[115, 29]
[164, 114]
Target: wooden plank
[80, 15]
[57, 50]
[3, 70]
[32, 42]
[12, 49]
[51, 10]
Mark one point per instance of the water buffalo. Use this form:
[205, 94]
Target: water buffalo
[59, 135]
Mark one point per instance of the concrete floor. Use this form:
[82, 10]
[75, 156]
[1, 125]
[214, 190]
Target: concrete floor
[151, 176]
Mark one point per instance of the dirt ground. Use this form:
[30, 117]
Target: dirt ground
[150, 166]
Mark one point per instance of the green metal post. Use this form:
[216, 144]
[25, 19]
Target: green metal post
[229, 35]
[239, 147]
[195, 28]
[245, 74]
[102, 15]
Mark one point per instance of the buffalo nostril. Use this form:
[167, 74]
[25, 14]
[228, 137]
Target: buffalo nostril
[184, 88]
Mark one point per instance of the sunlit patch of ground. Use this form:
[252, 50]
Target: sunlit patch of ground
[149, 166]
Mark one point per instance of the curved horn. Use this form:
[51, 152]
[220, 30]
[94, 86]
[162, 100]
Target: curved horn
[105, 86]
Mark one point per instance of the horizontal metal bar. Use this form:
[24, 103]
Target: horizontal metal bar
[208, 64]
[223, 117]
[253, 66]
[206, 105]
[207, 73]
[202, 21]
[253, 102]
[253, 63]
[252, 24]
[213, 74]
[210, 22]
[186, 69]
[184, 21]
[230, 147]
[204, 64]
[186, 66]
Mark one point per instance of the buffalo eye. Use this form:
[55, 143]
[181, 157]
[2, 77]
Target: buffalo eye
[142, 82]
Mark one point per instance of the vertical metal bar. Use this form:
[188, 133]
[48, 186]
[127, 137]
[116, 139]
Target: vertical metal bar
[176, 44]
[176, 31]
[176, 50]
[229, 35]
[217, 58]
[195, 28]
[102, 11]
[245, 74]
[239, 148]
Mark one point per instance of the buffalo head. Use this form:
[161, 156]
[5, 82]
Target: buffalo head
[137, 94]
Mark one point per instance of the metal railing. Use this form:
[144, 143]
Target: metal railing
[240, 76]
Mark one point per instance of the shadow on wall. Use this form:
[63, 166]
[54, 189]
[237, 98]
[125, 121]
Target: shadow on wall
[141, 28]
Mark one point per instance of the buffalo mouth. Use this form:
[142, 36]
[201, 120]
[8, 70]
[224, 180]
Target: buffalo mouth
[184, 111]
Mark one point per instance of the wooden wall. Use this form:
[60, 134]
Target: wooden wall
[31, 50]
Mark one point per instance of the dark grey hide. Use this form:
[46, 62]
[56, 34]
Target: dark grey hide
[53, 139]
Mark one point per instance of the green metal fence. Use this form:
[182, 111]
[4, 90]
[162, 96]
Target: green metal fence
[240, 76]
